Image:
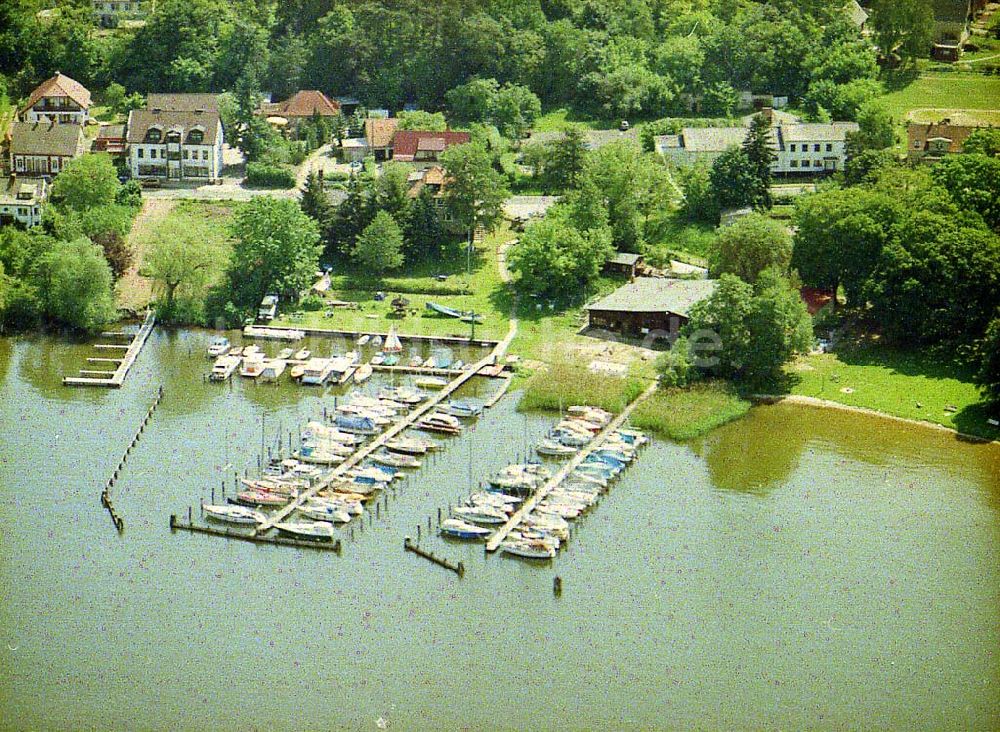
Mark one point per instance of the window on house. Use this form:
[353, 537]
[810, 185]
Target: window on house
[817, 163]
[816, 147]
[153, 135]
[185, 154]
[916, 144]
[195, 137]
[792, 147]
[204, 154]
[140, 153]
[829, 147]
[173, 137]
[152, 154]
[794, 163]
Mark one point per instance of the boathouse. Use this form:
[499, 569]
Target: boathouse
[649, 304]
[623, 264]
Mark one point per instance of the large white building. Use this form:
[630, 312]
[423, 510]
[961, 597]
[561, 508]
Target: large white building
[112, 12]
[175, 144]
[808, 148]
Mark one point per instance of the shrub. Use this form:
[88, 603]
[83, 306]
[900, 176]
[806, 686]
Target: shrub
[313, 302]
[564, 385]
[269, 176]
[683, 414]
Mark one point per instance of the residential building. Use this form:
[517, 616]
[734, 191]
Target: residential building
[432, 180]
[110, 139]
[57, 99]
[21, 200]
[171, 102]
[109, 13]
[808, 148]
[379, 134]
[649, 306]
[929, 142]
[175, 145]
[857, 14]
[44, 148]
[422, 146]
[301, 106]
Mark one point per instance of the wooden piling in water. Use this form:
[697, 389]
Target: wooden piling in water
[457, 568]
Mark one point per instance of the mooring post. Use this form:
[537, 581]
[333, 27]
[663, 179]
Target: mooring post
[189, 515]
[439, 515]
[418, 532]
[557, 586]
[173, 522]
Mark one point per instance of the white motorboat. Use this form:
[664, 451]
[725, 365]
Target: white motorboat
[285, 353]
[410, 445]
[363, 372]
[380, 475]
[363, 339]
[462, 530]
[378, 359]
[318, 456]
[303, 354]
[219, 347]
[430, 382]
[351, 506]
[316, 530]
[376, 341]
[319, 512]
[224, 367]
[273, 369]
[316, 371]
[551, 448]
[528, 549]
[326, 445]
[253, 365]
[441, 422]
[480, 514]
[234, 514]
[395, 460]
[320, 431]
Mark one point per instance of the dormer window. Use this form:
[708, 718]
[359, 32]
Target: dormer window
[154, 134]
[173, 136]
[196, 136]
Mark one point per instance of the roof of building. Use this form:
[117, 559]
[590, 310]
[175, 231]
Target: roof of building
[712, 139]
[304, 103]
[45, 138]
[111, 131]
[857, 14]
[13, 185]
[379, 131]
[924, 132]
[406, 143]
[141, 120]
[662, 142]
[656, 295]
[60, 85]
[168, 101]
[627, 259]
[817, 131]
[419, 179]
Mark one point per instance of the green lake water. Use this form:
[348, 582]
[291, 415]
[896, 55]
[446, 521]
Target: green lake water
[796, 569]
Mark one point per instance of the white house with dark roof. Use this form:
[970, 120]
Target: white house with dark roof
[175, 145]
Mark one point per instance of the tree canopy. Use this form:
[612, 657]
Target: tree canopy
[751, 245]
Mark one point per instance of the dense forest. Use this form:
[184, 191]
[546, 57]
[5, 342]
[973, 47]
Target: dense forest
[610, 57]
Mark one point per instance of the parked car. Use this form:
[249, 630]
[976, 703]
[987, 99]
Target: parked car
[623, 126]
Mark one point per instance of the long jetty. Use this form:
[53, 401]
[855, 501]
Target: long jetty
[354, 334]
[114, 379]
[493, 543]
[404, 424]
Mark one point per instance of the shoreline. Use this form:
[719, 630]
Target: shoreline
[816, 402]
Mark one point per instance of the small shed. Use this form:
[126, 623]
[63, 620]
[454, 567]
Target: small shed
[623, 263]
[649, 305]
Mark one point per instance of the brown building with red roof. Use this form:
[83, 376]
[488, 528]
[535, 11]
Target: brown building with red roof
[420, 146]
[57, 99]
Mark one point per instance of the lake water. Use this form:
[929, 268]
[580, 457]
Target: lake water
[797, 569]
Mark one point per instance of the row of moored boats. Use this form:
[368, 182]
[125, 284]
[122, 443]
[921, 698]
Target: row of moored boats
[540, 532]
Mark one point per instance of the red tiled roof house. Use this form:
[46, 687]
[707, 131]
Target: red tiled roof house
[57, 99]
[420, 146]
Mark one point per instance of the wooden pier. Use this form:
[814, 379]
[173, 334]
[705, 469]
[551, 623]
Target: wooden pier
[114, 379]
[355, 334]
[493, 543]
[404, 424]
[457, 568]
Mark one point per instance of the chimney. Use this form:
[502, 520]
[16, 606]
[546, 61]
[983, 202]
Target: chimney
[199, 111]
[156, 110]
[768, 114]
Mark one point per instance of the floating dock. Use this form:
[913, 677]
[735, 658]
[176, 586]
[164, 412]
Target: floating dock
[114, 379]
[260, 331]
[493, 543]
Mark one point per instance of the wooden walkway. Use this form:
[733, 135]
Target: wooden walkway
[493, 543]
[114, 379]
[355, 334]
[411, 419]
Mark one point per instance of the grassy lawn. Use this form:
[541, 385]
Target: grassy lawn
[683, 414]
[903, 384]
[481, 291]
[209, 218]
[678, 239]
[555, 120]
